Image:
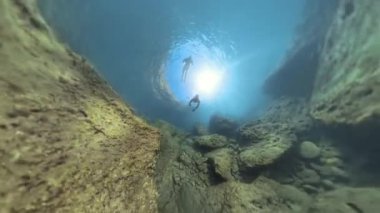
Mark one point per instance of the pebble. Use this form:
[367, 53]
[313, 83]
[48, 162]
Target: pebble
[309, 150]
[328, 184]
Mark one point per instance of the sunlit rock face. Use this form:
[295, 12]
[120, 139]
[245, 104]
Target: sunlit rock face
[334, 62]
[68, 143]
[347, 86]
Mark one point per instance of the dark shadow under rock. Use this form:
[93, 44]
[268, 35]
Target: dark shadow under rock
[222, 126]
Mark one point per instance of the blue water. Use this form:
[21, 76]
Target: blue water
[131, 42]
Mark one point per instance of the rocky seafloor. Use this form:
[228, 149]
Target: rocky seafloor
[68, 143]
[284, 162]
[315, 149]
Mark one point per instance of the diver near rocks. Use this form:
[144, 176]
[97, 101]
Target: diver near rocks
[187, 62]
[196, 100]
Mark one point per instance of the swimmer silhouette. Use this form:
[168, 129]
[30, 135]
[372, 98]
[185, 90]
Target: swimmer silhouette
[196, 100]
[187, 62]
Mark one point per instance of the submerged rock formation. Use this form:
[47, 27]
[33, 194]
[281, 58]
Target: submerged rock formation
[347, 84]
[299, 156]
[211, 141]
[348, 200]
[68, 142]
[222, 126]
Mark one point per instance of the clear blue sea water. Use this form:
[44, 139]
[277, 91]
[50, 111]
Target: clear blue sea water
[138, 46]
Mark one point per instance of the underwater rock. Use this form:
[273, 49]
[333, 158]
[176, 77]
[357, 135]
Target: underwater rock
[223, 126]
[200, 130]
[269, 141]
[331, 171]
[266, 152]
[347, 84]
[333, 161]
[339, 173]
[295, 76]
[310, 189]
[262, 195]
[213, 141]
[223, 162]
[309, 150]
[347, 200]
[182, 177]
[293, 197]
[309, 176]
[294, 112]
[261, 131]
[328, 184]
[168, 130]
[66, 147]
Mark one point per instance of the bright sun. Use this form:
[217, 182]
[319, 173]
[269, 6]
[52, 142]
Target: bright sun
[207, 82]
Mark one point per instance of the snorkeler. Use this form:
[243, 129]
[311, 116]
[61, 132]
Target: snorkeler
[187, 63]
[196, 100]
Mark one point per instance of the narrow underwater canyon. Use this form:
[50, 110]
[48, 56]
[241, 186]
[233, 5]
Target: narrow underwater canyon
[70, 143]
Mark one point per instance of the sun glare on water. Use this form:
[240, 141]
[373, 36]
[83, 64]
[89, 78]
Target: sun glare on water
[207, 82]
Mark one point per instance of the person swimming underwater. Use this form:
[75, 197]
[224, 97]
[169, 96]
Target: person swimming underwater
[187, 62]
[196, 100]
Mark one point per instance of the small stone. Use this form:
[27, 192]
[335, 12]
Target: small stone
[310, 189]
[328, 184]
[339, 173]
[309, 176]
[309, 150]
[334, 161]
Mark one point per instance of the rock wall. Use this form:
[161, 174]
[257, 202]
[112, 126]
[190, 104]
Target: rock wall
[347, 84]
[335, 62]
[68, 143]
[295, 76]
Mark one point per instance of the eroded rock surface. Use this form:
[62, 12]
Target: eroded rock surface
[68, 142]
[347, 88]
[213, 141]
[266, 142]
[222, 126]
[350, 200]
[224, 162]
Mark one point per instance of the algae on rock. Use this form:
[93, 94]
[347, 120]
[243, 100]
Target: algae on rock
[347, 87]
[68, 142]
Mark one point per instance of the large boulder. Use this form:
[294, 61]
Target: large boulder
[266, 142]
[213, 141]
[266, 152]
[224, 162]
[261, 130]
[222, 126]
